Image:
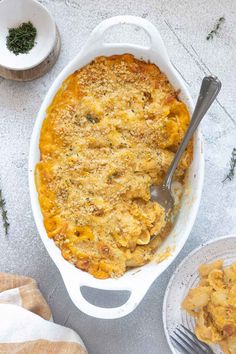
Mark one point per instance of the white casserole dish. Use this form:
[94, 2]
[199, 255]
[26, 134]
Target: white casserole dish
[137, 283]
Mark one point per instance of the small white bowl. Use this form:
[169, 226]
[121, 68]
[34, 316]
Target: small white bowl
[12, 14]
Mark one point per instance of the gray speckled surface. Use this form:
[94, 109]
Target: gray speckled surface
[183, 25]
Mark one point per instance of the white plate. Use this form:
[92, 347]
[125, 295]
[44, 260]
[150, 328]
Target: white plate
[12, 14]
[186, 276]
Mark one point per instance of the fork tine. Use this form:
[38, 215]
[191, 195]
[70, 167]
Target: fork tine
[194, 337]
[190, 347]
[195, 344]
[179, 346]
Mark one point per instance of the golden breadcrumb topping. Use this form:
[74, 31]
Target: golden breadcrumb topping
[109, 134]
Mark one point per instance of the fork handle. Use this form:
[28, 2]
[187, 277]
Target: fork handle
[210, 88]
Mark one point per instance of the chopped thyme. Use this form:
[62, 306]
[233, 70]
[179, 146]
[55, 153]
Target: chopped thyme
[232, 167]
[216, 28]
[21, 39]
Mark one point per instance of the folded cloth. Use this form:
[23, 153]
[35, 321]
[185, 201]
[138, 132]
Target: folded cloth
[26, 325]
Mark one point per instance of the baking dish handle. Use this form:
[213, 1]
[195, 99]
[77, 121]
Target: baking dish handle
[97, 36]
[136, 295]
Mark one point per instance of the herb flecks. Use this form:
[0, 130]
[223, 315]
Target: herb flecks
[232, 167]
[216, 28]
[4, 213]
[90, 118]
[113, 175]
[21, 39]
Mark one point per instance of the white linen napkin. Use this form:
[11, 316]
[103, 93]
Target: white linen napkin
[26, 325]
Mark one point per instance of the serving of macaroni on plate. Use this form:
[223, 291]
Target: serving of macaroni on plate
[213, 304]
[109, 134]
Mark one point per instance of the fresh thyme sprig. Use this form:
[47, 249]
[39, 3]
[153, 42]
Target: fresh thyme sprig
[232, 167]
[216, 28]
[4, 213]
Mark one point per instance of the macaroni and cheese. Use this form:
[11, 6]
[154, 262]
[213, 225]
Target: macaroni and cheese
[110, 133]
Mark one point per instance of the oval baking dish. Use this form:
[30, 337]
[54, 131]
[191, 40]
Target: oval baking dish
[136, 282]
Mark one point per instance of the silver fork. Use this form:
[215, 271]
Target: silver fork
[187, 342]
